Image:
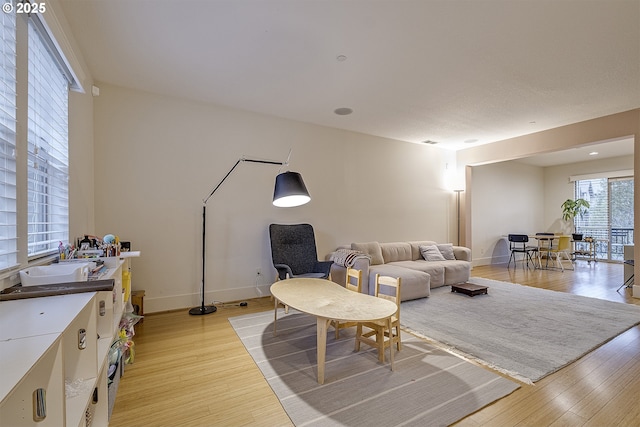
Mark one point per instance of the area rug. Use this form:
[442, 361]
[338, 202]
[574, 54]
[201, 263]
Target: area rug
[525, 332]
[429, 386]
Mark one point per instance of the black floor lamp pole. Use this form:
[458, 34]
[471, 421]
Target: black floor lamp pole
[203, 309]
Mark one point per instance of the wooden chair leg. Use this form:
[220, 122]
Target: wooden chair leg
[380, 342]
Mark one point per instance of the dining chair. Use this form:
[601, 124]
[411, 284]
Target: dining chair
[353, 283]
[384, 337]
[562, 248]
[545, 241]
[518, 244]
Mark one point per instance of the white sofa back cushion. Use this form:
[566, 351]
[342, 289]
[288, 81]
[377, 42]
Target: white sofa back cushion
[372, 249]
[397, 251]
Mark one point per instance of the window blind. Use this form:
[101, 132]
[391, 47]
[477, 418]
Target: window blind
[47, 143]
[596, 219]
[8, 215]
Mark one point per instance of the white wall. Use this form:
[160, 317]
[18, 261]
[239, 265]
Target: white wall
[157, 157]
[506, 197]
[81, 167]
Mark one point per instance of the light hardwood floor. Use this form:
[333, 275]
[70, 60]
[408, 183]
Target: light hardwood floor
[194, 371]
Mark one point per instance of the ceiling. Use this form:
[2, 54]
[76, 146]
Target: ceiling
[459, 73]
[598, 151]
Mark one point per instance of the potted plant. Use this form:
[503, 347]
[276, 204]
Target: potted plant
[572, 208]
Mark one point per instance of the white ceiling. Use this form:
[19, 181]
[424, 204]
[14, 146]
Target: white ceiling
[618, 148]
[442, 70]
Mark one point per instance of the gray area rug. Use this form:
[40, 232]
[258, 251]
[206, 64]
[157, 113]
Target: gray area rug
[525, 332]
[429, 387]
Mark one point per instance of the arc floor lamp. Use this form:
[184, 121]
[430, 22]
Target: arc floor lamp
[289, 191]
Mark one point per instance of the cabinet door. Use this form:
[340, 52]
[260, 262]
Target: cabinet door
[80, 345]
[39, 399]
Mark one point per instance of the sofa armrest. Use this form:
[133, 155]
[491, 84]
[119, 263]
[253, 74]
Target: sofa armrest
[339, 273]
[462, 253]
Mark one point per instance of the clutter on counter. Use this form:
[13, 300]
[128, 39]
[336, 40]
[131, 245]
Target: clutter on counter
[90, 246]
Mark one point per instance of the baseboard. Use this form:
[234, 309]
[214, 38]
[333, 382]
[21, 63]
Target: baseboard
[177, 302]
[476, 262]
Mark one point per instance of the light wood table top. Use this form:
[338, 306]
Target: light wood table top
[324, 298]
[329, 301]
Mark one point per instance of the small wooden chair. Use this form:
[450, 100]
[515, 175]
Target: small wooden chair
[353, 275]
[379, 328]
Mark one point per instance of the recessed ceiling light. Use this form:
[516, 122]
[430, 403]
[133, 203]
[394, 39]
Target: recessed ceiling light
[344, 111]
[533, 122]
[593, 153]
[428, 141]
[341, 58]
[470, 141]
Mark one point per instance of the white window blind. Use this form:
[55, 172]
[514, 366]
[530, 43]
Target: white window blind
[8, 215]
[595, 222]
[48, 159]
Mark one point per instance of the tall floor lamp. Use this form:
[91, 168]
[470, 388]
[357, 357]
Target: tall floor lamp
[289, 191]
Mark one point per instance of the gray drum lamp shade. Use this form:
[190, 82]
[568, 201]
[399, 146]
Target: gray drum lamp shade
[290, 190]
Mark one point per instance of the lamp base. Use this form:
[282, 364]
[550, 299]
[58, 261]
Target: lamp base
[196, 311]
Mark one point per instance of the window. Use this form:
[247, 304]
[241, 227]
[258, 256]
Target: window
[8, 217]
[609, 218]
[34, 161]
[48, 160]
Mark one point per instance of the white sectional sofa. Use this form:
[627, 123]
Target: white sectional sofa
[447, 265]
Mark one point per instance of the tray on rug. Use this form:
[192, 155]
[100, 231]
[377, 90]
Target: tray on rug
[429, 387]
[525, 332]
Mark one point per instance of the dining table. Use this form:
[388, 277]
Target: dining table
[329, 301]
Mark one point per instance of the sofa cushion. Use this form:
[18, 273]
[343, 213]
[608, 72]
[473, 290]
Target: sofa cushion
[372, 249]
[431, 253]
[435, 269]
[415, 284]
[446, 249]
[400, 251]
[415, 248]
[456, 272]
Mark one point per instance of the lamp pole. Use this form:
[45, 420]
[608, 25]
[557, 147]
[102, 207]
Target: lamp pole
[203, 309]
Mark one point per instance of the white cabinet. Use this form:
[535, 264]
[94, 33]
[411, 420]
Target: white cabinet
[53, 354]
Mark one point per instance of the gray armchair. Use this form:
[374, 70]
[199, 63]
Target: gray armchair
[294, 254]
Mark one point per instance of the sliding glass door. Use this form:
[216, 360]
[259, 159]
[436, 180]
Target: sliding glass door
[621, 206]
[609, 218]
